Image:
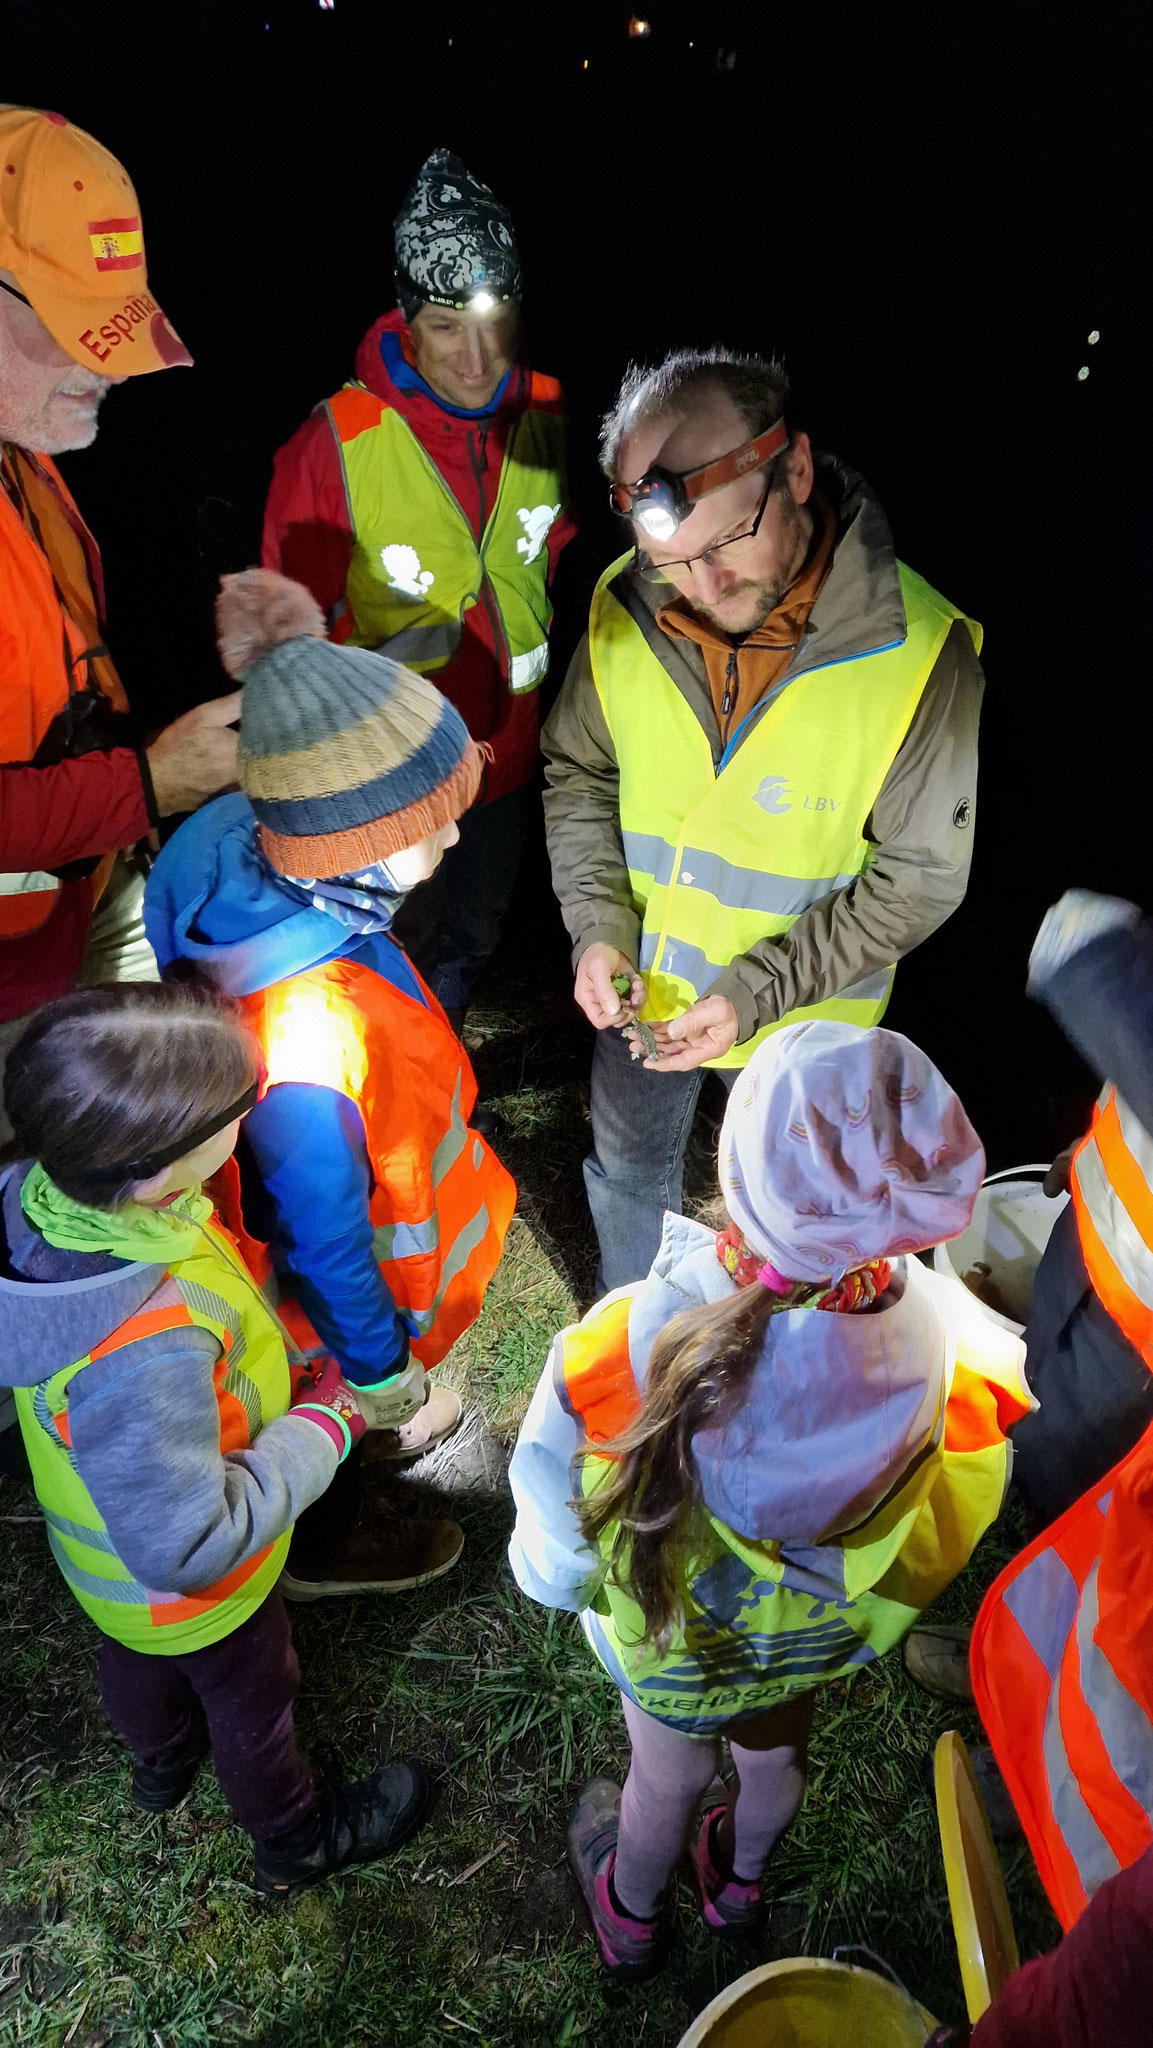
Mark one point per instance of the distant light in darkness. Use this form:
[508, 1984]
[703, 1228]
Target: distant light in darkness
[1082, 373]
[637, 27]
[585, 65]
[1095, 336]
[326, 5]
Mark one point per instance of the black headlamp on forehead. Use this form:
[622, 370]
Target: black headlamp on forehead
[660, 501]
[106, 1179]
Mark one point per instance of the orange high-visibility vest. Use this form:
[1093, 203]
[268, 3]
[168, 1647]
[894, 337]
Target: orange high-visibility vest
[51, 626]
[441, 1201]
[1062, 1666]
[1112, 1187]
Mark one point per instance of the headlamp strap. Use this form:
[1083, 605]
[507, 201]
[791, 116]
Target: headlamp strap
[697, 483]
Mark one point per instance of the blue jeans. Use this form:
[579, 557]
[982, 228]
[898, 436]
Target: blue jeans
[450, 924]
[641, 1123]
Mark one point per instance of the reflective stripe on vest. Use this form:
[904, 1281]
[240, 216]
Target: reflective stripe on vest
[721, 858]
[212, 1291]
[38, 642]
[763, 1621]
[1112, 1187]
[416, 566]
[1062, 1665]
[441, 1201]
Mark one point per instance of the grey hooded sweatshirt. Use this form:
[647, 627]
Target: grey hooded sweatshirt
[143, 1420]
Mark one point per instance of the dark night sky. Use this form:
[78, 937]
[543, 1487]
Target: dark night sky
[926, 210]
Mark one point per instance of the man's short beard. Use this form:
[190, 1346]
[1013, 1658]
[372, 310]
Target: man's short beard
[769, 592]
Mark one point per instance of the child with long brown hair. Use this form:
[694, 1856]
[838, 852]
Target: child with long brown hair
[171, 1447]
[750, 1472]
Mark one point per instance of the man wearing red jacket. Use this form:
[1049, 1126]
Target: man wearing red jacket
[424, 507]
[76, 785]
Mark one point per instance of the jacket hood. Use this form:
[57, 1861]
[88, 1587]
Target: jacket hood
[46, 1324]
[834, 1413]
[212, 900]
[381, 366]
[859, 608]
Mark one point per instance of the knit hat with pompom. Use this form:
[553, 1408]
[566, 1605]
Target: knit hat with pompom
[345, 757]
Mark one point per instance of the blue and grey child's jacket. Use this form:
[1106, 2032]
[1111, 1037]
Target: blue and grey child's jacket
[211, 900]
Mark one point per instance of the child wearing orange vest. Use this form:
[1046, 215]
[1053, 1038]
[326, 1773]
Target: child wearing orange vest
[382, 1210]
[170, 1450]
[751, 1471]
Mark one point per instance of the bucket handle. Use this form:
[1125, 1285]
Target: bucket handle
[1011, 1172]
[857, 1948]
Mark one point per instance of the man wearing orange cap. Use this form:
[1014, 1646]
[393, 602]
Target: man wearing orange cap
[77, 787]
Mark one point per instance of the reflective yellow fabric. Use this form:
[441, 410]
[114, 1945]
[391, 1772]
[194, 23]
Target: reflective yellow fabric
[416, 566]
[721, 858]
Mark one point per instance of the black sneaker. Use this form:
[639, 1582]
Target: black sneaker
[351, 1824]
[157, 1788]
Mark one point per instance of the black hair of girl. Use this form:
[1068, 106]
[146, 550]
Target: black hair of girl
[119, 1072]
[645, 1498]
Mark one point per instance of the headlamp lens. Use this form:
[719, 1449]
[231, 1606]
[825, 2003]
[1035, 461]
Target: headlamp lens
[657, 521]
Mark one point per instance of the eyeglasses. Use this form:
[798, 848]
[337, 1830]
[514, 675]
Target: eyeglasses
[13, 293]
[736, 541]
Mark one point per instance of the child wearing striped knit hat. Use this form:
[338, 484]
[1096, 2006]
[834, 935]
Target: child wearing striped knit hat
[360, 1192]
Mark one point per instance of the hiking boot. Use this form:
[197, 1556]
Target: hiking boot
[629, 1948]
[728, 1907]
[349, 1824]
[438, 1419]
[157, 1788]
[397, 1555]
[938, 1660]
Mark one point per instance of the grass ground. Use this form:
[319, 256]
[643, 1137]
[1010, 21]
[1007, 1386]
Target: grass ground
[144, 1933]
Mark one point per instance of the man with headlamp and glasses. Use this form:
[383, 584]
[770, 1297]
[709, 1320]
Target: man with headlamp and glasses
[761, 768]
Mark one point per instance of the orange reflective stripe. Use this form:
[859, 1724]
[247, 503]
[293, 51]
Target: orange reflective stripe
[1134, 1318]
[1125, 1175]
[195, 1604]
[597, 1375]
[354, 411]
[145, 1323]
[972, 1413]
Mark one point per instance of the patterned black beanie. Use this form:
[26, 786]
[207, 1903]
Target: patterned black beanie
[453, 240]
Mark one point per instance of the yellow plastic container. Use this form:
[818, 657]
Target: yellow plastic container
[982, 1922]
[810, 2002]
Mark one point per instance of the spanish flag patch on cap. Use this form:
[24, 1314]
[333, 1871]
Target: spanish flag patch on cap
[71, 237]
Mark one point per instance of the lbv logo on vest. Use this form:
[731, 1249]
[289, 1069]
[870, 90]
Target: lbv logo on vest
[402, 566]
[774, 796]
[536, 525]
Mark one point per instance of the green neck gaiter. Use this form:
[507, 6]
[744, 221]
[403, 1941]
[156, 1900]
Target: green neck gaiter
[156, 1237]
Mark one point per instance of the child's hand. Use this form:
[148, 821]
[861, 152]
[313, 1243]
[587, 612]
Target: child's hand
[328, 1390]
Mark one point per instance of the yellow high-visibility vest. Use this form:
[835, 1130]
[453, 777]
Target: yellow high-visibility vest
[721, 857]
[417, 567]
[209, 1290]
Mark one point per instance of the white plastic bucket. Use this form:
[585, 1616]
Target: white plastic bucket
[1011, 1224]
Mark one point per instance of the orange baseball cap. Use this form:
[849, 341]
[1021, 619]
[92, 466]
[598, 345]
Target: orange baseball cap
[70, 235]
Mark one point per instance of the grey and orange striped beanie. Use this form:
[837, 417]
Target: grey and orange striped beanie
[345, 756]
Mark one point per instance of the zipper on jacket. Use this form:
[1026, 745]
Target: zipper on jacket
[732, 691]
[478, 469]
[486, 593]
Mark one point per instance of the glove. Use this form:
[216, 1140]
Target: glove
[327, 1400]
[390, 1402]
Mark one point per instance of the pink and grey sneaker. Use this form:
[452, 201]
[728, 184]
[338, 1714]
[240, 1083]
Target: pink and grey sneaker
[629, 1948]
[727, 1906]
